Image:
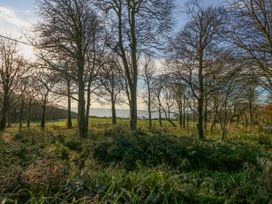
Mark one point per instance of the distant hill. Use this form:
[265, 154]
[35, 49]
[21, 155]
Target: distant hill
[52, 113]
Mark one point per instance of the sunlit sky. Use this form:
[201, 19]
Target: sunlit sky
[16, 16]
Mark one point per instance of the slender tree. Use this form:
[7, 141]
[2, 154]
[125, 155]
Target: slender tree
[193, 48]
[69, 27]
[111, 77]
[45, 83]
[137, 25]
[148, 73]
[251, 31]
[11, 71]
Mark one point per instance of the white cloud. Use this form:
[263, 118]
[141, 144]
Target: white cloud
[13, 22]
[8, 16]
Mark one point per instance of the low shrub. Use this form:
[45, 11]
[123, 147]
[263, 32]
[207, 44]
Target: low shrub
[57, 150]
[112, 185]
[10, 178]
[179, 153]
[74, 144]
[45, 174]
[119, 166]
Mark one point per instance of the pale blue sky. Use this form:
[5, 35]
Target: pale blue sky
[16, 12]
[18, 15]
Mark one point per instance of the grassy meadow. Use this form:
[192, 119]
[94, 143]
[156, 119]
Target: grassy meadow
[114, 165]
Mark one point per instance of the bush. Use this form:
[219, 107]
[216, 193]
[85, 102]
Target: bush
[266, 165]
[162, 185]
[9, 154]
[265, 139]
[179, 153]
[10, 178]
[74, 144]
[114, 185]
[57, 150]
[119, 166]
[45, 174]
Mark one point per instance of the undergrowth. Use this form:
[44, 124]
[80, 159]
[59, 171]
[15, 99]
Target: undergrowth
[118, 166]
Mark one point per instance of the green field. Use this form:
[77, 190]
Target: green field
[114, 165]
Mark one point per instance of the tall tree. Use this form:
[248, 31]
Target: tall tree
[251, 30]
[69, 27]
[148, 73]
[31, 96]
[11, 71]
[137, 25]
[193, 48]
[225, 82]
[22, 94]
[112, 80]
[179, 96]
[45, 83]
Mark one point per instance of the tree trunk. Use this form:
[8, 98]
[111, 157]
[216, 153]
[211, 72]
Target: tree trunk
[149, 108]
[134, 70]
[206, 115]
[180, 107]
[213, 124]
[21, 114]
[160, 117]
[43, 115]
[87, 117]
[184, 113]
[133, 107]
[200, 109]
[246, 121]
[251, 101]
[69, 114]
[223, 129]
[224, 133]
[113, 111]
[180, 119]
[131, 72]
[9, 118]
[169, 119]
[251, 114]
[81, 111]
[88, 105]
[29, 114]
[200, 120]
[5, 110]
[187, 118]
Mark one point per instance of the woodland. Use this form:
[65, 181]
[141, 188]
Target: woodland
[209, 82]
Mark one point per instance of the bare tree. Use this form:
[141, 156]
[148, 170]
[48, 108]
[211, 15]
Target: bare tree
[95, 62]
[136, 26]
[45, 83]
[67, 89]
[194, 48]
[157, 92]
[30, 98]
[112, 80]
[179, 91]
[225, 82]
[69, 99]
[165, 99]
[251, 30]
[148, 73]
[22, 94]
[70, 27]
[11, 71]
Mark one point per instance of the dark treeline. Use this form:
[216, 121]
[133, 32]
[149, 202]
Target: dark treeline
[215, 70]
[25, 118]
